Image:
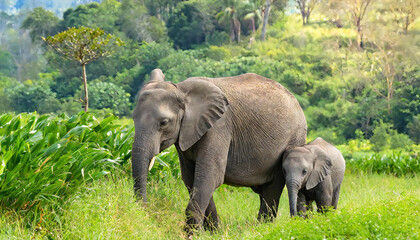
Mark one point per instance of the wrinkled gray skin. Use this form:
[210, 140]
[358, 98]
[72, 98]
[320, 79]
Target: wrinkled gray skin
[314, 172]
[229, 130]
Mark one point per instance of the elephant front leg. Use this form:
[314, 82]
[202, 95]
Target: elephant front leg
[324, 196]
[210, 167]
[301, 205]
[211, 218]
[201, 210]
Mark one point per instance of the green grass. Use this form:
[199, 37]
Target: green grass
[371, 206]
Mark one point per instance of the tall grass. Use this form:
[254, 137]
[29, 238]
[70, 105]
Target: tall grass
[45, 159]
[395, 164]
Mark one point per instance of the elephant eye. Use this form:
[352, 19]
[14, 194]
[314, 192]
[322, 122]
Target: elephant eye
[304, 171]
[164, 122]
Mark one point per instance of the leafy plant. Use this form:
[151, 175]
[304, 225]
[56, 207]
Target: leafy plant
[395, 164]
[45, 159]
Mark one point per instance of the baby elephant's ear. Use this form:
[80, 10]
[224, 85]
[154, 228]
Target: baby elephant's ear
[322, 167]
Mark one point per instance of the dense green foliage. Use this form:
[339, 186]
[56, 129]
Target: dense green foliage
[108, 95]
[45, 159]
[345, 79]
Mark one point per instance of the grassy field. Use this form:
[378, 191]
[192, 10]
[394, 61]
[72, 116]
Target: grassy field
[370, 207]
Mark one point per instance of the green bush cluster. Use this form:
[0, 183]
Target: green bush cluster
[108, 95]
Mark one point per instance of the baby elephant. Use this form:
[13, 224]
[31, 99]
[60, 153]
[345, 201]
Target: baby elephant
[314, 172]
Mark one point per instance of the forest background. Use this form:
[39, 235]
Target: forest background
[352, 64]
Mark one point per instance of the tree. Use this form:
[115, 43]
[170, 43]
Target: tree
[253, 14]
[138, 25]
[162, 9]
[404, 13]
[230, 13]
[190, 24]
[266, 9]
[41, 23]
[358, 9]
[83, 45]
[306, 7]
[393, 57]
[93, 15]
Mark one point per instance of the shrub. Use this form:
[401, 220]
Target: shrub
[399, 140]
[381, 136]
[414, 129]
[217, 53]
[5, 83]
[217, 38]
[108, 95]
[31, 97]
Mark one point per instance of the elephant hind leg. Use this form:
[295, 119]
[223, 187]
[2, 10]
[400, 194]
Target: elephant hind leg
[335, 197]
[211, 218]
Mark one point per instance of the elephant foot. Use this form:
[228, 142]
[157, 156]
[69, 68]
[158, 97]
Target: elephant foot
[193, 224]
[266, 217]
[211, 223]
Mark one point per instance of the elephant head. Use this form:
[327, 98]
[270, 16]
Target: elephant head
[304, 167]
[167, 114]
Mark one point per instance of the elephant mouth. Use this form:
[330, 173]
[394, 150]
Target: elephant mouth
[166, 143]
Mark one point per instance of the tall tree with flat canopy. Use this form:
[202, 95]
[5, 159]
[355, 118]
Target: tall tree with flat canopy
[83, 45]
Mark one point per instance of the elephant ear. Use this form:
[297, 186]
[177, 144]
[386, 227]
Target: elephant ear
[322, 167]
[205, 103]
[157, 75]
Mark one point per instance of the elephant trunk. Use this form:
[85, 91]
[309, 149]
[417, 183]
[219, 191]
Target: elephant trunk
[142, 154]
[293, 189]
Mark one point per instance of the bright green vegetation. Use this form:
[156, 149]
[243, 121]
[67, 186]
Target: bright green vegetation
[69, 178]
[371, 206]
[43, 160]
[395, 164]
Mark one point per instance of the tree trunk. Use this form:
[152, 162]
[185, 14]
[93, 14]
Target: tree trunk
[237, 29]
[232, 30]
[265, 22]
[86, 101]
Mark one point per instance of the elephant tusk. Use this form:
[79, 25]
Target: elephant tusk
[152, 162]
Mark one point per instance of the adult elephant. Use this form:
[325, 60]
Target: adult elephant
[230, 130]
